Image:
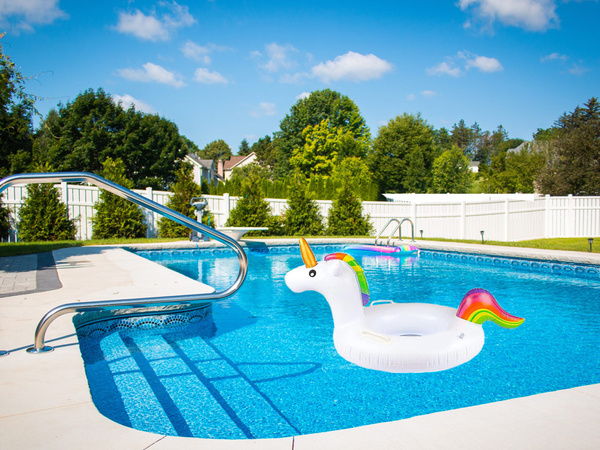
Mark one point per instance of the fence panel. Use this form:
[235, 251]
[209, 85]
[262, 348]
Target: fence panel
[508, 219]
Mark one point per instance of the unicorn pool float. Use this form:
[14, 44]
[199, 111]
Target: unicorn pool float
[395, 337]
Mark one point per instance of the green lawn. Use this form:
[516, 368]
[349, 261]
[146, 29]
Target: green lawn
[24, 248]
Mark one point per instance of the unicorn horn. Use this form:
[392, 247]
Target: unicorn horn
[307, 254]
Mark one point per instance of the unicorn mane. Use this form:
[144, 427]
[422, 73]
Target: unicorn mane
[479, 305]
[362, 279]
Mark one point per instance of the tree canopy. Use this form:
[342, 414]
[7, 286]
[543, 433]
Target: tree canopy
[80, 136]
[216, 150]
[16, 115]
[326, 104]
[573, 165]
[402, 156]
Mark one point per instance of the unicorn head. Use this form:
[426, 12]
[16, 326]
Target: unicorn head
[338, 278]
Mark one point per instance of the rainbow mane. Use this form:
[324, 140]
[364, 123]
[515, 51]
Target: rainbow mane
[362, 280]
[479, 305]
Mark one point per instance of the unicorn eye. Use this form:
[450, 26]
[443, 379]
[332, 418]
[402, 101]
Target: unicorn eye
[312, 273]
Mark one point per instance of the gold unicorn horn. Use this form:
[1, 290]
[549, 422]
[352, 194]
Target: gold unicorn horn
[307, 254]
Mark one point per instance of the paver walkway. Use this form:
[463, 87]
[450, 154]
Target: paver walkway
[25, 274]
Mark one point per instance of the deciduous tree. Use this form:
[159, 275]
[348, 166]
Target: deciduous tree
[451, 172]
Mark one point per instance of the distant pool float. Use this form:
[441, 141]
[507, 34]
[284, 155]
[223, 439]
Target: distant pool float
[395, 337]
[399, 250]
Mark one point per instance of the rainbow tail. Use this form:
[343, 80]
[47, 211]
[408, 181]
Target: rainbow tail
[479, 305]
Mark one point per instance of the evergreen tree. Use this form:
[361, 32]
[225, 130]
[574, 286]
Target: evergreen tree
[43, 216]
[252, 210]
[574, 165]
[345, 216]
[117, 217]
[184, 189]
[302, 218]
[4, 221]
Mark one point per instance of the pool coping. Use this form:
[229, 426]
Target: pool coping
[46, 401]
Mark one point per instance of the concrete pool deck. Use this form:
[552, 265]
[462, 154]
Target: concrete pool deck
[46, 404]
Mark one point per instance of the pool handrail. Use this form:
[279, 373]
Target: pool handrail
[397, 228]
[145, 302]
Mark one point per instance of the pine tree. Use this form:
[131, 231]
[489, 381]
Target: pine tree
[115, 216]
[252, 210]
[345, 216]
[184, 189]
[302, 218]
[43, 217]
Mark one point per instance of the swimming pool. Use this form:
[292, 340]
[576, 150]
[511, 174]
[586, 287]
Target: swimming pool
[262, 364]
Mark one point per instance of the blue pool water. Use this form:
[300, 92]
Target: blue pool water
[261, 364]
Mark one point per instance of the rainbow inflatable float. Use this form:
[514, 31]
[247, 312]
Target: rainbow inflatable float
[395, 337]
[399, 250]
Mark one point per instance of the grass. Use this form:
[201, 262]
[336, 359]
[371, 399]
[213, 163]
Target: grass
[25, 248]
[567, 244]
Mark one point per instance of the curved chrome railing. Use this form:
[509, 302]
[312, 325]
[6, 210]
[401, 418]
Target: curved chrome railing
[105, 305]
[397, 228]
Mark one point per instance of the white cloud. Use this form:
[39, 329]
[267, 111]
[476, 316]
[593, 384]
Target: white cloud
[468, 61]
[303, 96]
[533, 15]
[264, 109]
[152, 27]
[554, 57]
[428, 93]
[23, 14]
[411, 97]
[483, 63]
[205, 76]
[152, 73]
[578, 70]
[279, 57]
[445, 68]
[127, 100]
[353, 67]
[201, 53]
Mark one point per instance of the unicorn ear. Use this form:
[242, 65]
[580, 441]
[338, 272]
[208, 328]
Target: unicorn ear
[336, 267]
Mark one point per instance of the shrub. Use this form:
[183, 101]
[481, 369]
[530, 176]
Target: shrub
[184, 189]
[4, 221]
[43, 217]
[345, 216]
[302, 218]
[115, 216]
[252, 210]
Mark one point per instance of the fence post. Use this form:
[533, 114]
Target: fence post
[570, 217]
[463, 220]
[506, 219]
[413, 214]
[547, 218]
[64, 187]
[226, 208]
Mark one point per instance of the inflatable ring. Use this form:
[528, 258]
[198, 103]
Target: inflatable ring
[395, 337]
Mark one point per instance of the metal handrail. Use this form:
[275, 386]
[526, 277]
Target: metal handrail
[106, 305]
[398, 227]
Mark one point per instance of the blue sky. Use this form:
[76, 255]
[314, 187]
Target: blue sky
[233, 69]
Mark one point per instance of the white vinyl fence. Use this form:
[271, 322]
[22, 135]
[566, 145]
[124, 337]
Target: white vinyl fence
[500, 220]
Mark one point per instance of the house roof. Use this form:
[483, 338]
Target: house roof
[206, 163]
[234, 161]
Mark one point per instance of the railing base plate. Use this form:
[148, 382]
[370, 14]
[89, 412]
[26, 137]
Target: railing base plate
[45, 349]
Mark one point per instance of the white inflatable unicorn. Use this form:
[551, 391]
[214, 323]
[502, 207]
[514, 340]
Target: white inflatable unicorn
[395, 337]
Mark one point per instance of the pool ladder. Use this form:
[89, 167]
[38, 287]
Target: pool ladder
[398, 228]
[134, 303]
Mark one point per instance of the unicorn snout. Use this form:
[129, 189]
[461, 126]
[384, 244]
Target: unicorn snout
[293, 282]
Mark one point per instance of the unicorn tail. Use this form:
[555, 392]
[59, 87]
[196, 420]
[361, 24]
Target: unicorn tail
[479, 305]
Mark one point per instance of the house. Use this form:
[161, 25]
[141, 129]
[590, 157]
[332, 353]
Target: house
[225, 168]
[474, 166]
[204, 169]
